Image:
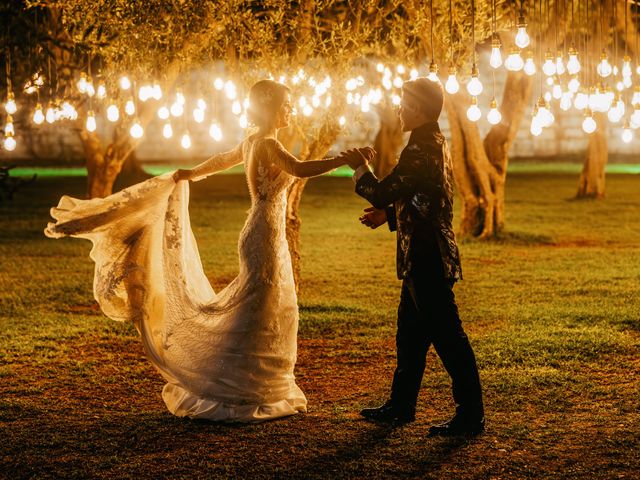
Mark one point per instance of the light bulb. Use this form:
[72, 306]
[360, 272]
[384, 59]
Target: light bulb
[433, 72]
[236, 108]
[130, 108]
[452, 86]
[581, 101]
[185, 141]
[68, 111]
[113, 114]
[588, 124]
[397, 82]
[10, 106]
[573, 65]
[496, 57]
[124, 82]
[514, 62]
[549, 66]
[91, 122]
[102, 91]
[604, 67]
[635, 118]
[565, 101]
[9, 128]
[627, 82]
[307, 110]
[38, 116]
[136, 130]
[50, 116]
[167, 131]
[627, 134]
[545, 116]
[530, 65]
[342, 121]
[230, 90]
[473, 112]
[180, 98]
[522, 37]
[574, 85]
[90, 90]
[10, 143]
[215, 132]
[244, 122]
[156, 92]
[198, 115]
[535, 129]
[163, 113]
[82, 83]
[414, 74]
[556, 92]
[616, 113]
[626, 66]
[559, 64]
[494, 116]
[145, 93]
[474, 87]
[218, 84]
[176, 109]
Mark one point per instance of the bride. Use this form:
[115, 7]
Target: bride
[227, 355]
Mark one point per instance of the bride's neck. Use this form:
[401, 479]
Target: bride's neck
[268, 132]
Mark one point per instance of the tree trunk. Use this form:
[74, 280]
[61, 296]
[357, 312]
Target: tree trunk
[517, 92]
[318, 148]
[387, 142]
[591, 183]
[475, 177]
[104, 165]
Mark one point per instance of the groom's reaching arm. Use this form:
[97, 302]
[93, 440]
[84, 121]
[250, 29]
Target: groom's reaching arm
[401, 182]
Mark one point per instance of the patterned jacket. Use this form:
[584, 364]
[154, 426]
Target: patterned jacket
[418, 198]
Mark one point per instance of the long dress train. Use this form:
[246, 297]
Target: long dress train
[226, 356]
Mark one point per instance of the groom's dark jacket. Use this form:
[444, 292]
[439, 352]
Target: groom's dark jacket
[418, 198]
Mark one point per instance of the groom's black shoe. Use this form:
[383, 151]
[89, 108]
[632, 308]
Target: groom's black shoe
[459, 425]
[390, 413]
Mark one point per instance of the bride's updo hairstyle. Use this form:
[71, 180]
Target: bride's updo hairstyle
[265, 99]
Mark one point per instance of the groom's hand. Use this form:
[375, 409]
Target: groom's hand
[373, 217]
[355, 157]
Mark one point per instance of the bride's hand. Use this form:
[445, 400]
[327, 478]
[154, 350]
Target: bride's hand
[181, 174]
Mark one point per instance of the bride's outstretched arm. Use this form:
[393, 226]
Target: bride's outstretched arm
[216, 163]
[290, 164]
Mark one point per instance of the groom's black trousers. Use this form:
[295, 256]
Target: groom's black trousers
[428, 315]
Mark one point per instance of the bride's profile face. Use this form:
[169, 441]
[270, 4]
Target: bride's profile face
[284, 113]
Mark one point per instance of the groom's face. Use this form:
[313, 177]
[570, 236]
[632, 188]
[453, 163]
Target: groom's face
[410, 115]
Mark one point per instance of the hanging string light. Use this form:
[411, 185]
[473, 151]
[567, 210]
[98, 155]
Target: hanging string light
[522, 37]
[496, 57]
[451, 86]
[514, 62]
[433, 66]
[494, 116]
[474, 87]
[473, 112]
[573, 64]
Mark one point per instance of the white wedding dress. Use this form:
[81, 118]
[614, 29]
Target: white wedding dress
[226, 356]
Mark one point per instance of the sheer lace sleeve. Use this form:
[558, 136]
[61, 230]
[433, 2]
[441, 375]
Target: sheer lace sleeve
[217, 163]
[284, 160]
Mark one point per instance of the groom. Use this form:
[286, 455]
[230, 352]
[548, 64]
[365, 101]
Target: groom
[416, 199]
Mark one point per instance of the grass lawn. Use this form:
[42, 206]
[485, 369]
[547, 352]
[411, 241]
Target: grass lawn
[551, 309]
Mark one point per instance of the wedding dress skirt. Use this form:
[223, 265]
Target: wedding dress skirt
[226, 356]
